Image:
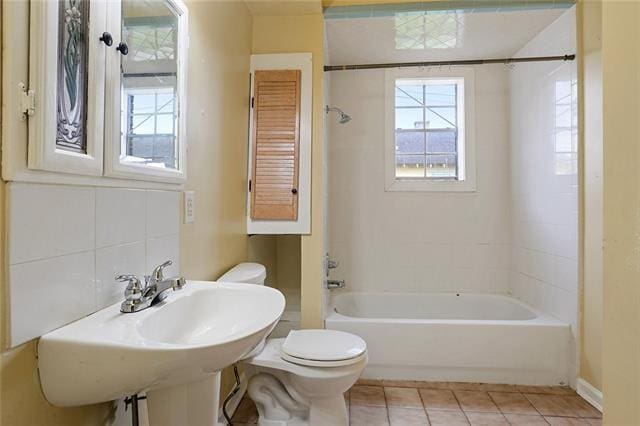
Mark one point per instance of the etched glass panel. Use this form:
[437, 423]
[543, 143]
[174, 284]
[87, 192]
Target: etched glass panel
[71, 94]
[149, 84]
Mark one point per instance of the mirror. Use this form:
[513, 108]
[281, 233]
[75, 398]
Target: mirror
[149, 84]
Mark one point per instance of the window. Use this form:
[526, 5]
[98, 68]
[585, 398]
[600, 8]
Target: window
[430, 131]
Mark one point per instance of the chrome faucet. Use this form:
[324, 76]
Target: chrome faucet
[138, 298]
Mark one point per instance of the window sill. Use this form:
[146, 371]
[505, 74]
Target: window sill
[408, 185]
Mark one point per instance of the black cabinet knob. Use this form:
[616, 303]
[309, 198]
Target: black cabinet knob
[123, 48]
[106, 38]
[294, 191]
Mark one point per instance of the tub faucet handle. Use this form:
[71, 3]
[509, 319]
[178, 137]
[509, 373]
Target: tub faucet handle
[333, 284]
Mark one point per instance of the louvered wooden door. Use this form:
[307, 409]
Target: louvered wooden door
[276, 145]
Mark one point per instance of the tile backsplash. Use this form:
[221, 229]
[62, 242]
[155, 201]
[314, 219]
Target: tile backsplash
[67, 243]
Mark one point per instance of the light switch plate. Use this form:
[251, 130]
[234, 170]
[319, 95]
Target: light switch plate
[189, 206]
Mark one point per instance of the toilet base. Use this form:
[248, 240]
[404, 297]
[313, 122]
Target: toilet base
[279, 406]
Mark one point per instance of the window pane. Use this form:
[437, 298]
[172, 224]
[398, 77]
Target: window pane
[410, 166]
[165, 102]
[563, 141]
[409, 95]
[441, 95]
[441, 118]
[441, 166]
[164, 124]
[409, 118]
[442, 141]
[142, 103]
[142, 125]
[410, 142]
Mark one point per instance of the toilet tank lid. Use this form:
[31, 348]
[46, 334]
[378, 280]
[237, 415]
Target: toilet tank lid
[245, 272]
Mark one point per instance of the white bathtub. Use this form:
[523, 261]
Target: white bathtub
[454, 337]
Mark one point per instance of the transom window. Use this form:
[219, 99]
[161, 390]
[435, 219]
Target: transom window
[428, 123]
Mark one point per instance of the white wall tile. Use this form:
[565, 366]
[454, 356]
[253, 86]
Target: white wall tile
[65, 253]
[49, 220]
[120, 216]
[544, 201]
[162, 249]
[118, 260]
[421, 241]
[163, 213]
[50, 293]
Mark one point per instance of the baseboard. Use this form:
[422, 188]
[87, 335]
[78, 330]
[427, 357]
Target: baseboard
[234, 402]
[592, 395]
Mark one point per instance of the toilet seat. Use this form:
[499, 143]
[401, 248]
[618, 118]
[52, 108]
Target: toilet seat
[323, 348]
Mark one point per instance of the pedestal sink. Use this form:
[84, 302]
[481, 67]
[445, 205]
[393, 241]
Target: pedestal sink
[169, 350]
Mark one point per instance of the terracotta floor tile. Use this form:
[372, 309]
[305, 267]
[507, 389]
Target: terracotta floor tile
[447, 418]
[467, 386]
[525, 420]
[494, 387]
[407, 417]
[402, 397]
[560, 390]
[401, 383]
[368, 416]
[439, 399]
[476, 401]
[512, 402]
[246, 412]
[486, 419]
[532, 389]
[369, 382]
[551, 405]
[582, 407]
[367, 395]
[566, 421]
[434, 385]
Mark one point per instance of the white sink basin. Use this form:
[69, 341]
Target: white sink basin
[195, 332]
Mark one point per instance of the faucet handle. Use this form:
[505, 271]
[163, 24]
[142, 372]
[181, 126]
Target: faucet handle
[133, 292]
[157, 274]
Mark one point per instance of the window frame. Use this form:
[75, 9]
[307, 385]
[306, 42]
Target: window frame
[466, 132]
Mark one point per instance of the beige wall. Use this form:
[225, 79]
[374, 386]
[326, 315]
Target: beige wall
[590, 30]
[289, 34]
[621, 132]
[218, 84]
[220, 46]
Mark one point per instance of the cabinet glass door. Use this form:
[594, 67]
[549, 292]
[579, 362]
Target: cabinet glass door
[66, 74]
[150, 88]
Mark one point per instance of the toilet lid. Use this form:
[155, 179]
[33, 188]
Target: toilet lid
[322, 346]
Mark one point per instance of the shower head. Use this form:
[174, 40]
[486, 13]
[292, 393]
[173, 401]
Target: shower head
[342, 116]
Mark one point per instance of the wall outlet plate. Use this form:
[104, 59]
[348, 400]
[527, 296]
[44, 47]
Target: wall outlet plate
[189, 206]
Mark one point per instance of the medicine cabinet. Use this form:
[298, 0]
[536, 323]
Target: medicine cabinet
[106, 93]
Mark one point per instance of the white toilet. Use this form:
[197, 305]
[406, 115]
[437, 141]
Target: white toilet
[300, 379]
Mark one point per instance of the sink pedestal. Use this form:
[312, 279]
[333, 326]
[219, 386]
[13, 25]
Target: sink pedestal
[192, 404]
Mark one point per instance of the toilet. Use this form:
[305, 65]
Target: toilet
[300, 379]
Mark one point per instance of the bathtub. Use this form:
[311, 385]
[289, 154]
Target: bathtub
[454, 337]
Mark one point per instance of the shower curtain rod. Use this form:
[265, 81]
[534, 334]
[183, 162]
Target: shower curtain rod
[505, 61]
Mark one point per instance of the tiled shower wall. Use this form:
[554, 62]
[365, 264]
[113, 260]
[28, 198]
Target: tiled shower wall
[67, 243]
[417, 241]
[544, 176]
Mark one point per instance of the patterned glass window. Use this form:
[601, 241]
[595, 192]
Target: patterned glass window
[72, 75]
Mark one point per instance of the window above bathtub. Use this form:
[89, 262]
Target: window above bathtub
[429, 142]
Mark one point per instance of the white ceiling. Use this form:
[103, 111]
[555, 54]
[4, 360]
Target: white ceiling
[284, 7]
[420, 36]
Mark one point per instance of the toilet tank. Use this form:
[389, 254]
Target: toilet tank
[249, 273]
